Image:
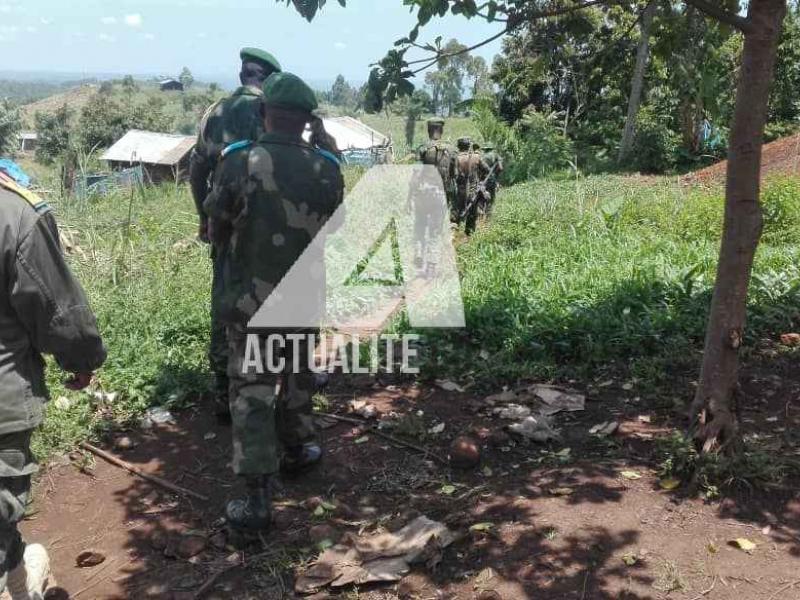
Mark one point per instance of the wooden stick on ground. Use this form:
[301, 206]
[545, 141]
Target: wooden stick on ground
[385, 436]
[137, 471]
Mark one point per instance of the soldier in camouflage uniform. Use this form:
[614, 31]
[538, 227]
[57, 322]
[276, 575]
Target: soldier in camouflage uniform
[229, 120]
[42, 310]
[471, 170]
[441, 155]
[495, 164]
[270, 200]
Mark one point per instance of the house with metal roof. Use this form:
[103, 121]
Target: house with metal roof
[359, 143]
[163, 156]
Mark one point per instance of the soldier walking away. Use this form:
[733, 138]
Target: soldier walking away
[270, 200]
[441, 155]
[227, 121]
[42, 310]
[470, 171]
[495, 163]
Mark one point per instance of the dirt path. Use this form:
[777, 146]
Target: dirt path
[578, 530]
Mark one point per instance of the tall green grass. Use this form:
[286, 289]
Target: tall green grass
[573, 278]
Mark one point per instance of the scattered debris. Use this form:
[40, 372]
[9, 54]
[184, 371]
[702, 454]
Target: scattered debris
[561, 491]
[604, 429]
[323, 532]
[790, 339]
[124, 443]
[630, 559]
[364, 409]
[436, 429]
[669, 483]
[190, 545]
[210, 436]
[449, 386]
[645, 419]
[465, 453]
[537, 429]
[512, 412]
[744, 544]
[631, 475]
[157, 415]
[89, 558]
[501, 398]
[384, 557]
[558, 400]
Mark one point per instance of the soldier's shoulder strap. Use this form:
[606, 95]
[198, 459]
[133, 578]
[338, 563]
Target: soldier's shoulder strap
[37, 203]
[329, 156]
[235, 147]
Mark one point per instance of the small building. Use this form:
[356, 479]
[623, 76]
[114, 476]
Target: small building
[27, 141]
[359, 143]
[162, 156]
[170, 85]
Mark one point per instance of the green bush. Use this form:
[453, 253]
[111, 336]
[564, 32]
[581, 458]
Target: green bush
[655, 146]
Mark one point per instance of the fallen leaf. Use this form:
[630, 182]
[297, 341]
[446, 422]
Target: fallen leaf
[319, 511]
[448, 490]
[89, 558]
[561, 491]
[604, 429]
[481, 527]
[363, 439]
[487, 472]
[744, 544]
[631, 475]
[669, 483]
[630, 559]
[645, 419]
[712, 548]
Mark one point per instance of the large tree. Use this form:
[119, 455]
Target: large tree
[713, 415]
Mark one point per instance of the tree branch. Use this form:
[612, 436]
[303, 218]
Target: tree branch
[712, 9]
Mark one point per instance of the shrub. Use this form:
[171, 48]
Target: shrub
[656, 145]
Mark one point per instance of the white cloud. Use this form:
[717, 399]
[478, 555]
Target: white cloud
[134, 20]
[202, 35]
[5, 8]
[104, 37]
[340, 45]
[109, 20]
[31, 29]
[149, 36]
[45, 21]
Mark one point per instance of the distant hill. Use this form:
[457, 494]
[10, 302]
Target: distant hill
[76, 98]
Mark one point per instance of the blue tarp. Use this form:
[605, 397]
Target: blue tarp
[13, 170]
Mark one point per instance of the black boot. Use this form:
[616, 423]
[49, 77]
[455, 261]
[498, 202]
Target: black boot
[301, 458]
[253, 513]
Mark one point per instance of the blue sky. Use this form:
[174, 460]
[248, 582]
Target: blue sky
[161, 36]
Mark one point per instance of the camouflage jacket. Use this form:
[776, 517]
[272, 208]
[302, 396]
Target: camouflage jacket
[471, 170]
[226, 121]
[441, 155]
[42, 309]
[270, 199]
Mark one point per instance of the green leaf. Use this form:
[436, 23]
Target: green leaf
[448, 490]
[481, 527]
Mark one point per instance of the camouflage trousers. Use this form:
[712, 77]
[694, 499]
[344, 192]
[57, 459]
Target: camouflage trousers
[218, 348]
[266, 418]
[16, 467]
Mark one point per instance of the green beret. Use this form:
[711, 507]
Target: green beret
[262, 57]
[288, 91]
[436, 122]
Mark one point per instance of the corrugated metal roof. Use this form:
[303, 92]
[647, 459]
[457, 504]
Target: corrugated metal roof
[150, 148]
[27, 135]
[352, 134]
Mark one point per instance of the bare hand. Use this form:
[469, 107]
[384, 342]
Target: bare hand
[78, 381]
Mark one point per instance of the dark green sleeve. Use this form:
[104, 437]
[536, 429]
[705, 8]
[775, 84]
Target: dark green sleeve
[51, 304]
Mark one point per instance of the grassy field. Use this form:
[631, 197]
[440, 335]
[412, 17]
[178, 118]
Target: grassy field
[570, 279]
[395, 126]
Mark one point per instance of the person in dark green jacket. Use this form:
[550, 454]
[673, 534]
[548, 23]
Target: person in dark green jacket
[43, 310]
[229, 120]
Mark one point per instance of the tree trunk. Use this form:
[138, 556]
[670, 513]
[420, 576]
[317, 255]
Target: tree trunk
[713, 414]
[637, 82]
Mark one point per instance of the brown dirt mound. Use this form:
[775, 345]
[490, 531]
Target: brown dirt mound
[780, 157]
[75, 98]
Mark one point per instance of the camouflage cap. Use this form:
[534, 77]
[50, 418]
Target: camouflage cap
[436, 122]
[288, 91]
[262, 57]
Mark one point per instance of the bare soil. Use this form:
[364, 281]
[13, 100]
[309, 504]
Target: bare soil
[563, 526]
[781, 157]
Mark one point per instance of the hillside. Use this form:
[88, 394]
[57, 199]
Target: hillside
[779, 157]
[75, 98]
